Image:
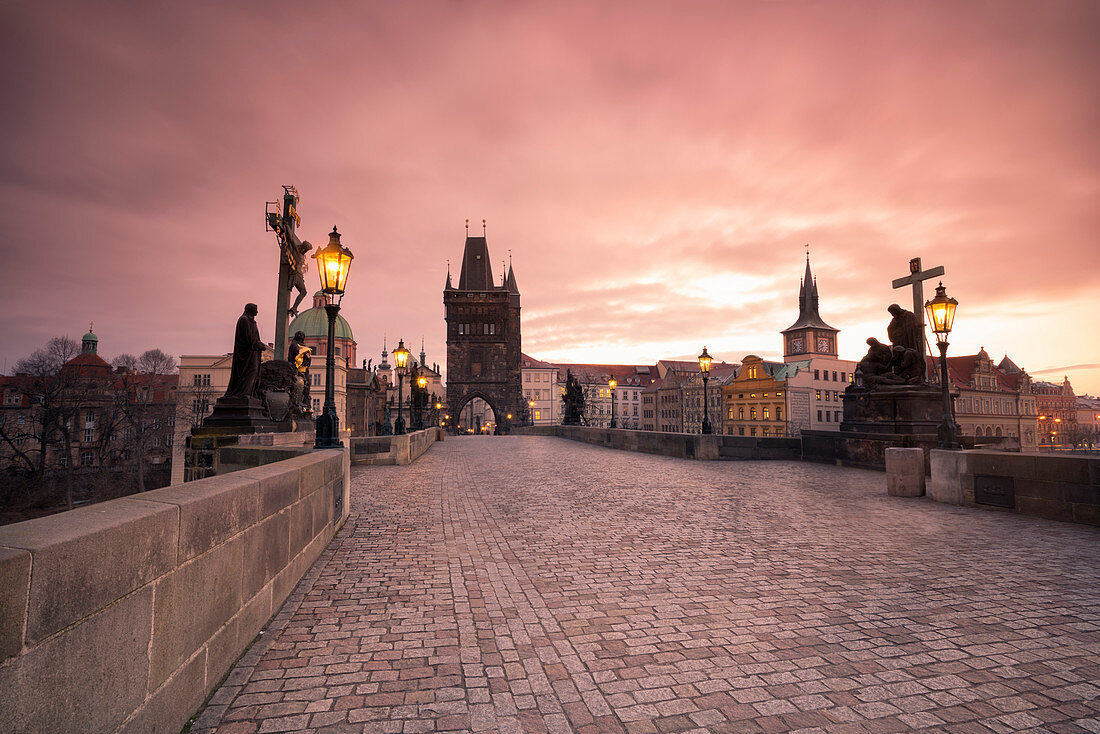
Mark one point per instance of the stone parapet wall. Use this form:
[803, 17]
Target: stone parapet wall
[124, 615]
[681, 445]
[392, 450]
[1055, 487]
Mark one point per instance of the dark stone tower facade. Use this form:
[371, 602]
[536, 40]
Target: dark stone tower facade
[483, 338]
[809, 336]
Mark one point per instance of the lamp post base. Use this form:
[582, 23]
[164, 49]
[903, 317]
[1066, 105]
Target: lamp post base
[328, 431]
[707, 428]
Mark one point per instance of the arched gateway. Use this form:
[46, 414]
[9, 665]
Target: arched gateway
[483, 338]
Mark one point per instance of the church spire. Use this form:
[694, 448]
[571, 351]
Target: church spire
[423, 357]
[808, 315]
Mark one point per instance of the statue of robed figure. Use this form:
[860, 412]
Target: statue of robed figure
[247, 350]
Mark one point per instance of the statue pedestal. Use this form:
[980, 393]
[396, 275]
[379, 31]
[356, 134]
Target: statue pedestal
[236, 415]
[904, 409]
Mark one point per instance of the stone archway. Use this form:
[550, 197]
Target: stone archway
[459, 405]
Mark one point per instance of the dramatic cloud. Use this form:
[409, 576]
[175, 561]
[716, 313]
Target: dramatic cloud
[655, 171]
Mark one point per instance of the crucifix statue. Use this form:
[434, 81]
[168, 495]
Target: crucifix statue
[916, 279]
[292, 263]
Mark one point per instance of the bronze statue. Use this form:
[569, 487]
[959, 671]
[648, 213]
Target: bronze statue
[905, 329]
[573, 399]
[908, 365]
[247, 350]
[300, 356]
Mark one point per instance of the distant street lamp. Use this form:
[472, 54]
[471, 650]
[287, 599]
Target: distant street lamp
[530, 412]
[704, 368]
[612, 385]
[400, 358]
[422, 383]
[941, 314]
[333, 264]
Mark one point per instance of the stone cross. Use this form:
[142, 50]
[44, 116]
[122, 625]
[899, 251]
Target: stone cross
[916, 279]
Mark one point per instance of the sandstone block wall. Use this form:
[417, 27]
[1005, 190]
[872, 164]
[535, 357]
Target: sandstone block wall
[123, 616]
[393, 449]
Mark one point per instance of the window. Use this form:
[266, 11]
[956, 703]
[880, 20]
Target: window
[538, 415]
[765, 395]
[316, 379]
[817, 374]
[767, 414]
[836, 416]
[89, 434]
[172, 421]
[828, 416]
[843, 377]
[740, 414]
[62, 459]
[818, 394]
[156, 441]
[196, 380]
[834, 375]
[740, 430]
[337, 351]
[87, 458]
[778, 413]
[818, 414]
[752, 414]
[21, 419]
[765, 432]
[90, 417]
[316, 404]
[206, 380]
[169, 440]
[752, 431]
[526, 376]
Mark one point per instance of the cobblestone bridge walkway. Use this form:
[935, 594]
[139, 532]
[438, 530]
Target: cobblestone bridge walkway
[535, 584]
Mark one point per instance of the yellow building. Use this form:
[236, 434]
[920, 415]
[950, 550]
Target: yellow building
[754, 400]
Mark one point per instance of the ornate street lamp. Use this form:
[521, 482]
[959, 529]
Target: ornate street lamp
[704, 369]
[941, 315]
[421, 398]
[400, 358]
[612, 384]
[333, 264]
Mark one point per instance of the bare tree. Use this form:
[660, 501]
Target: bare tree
[141, 406]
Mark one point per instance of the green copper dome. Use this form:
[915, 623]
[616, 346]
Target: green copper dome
[314, 323]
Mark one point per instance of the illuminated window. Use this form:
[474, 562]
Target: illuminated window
[767, 414]
[752, 414]
[740, 414]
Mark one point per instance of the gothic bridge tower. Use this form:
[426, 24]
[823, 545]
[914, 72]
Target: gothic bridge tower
[483, 339]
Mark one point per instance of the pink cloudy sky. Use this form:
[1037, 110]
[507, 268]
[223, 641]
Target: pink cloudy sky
[655, 169]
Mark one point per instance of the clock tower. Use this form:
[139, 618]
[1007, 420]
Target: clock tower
[809, 336]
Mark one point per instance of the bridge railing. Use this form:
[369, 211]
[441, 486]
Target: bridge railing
[124, 615]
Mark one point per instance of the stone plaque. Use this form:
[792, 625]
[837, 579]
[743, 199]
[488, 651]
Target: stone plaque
[996, 491]
[337, 499]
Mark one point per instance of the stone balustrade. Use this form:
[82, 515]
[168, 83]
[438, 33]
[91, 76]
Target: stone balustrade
[401, 450]
[124, 615]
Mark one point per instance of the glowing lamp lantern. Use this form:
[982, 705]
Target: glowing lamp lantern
[941, 313]
[400, 358]
[704, 368]
[333, 264]
[422, 382]
[612, 383]
[401, 355]
[941, 316]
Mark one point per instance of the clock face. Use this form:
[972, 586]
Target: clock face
[822, 344]
[796, 345]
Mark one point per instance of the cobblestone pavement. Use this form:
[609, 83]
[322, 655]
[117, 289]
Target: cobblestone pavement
[535, 584]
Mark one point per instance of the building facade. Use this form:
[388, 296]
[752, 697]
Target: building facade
[991, 402]
[1057, 409]
[754, 401]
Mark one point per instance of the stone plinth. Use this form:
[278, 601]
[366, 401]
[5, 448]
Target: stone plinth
[905, 472]
[235, 416]
[905, 409]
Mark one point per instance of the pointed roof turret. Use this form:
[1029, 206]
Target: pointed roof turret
[384, 365]
[510, 283]
[423, 357]
[477, 271]
[448, 287]
[808, 303]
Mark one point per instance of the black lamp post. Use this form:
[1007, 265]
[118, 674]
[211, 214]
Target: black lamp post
[421, 399]
[941, 314]
[333, 263]
[612, 384]
[704, 369]
[400, 358]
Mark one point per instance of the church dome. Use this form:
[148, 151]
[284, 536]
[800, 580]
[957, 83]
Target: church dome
[314, 322]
